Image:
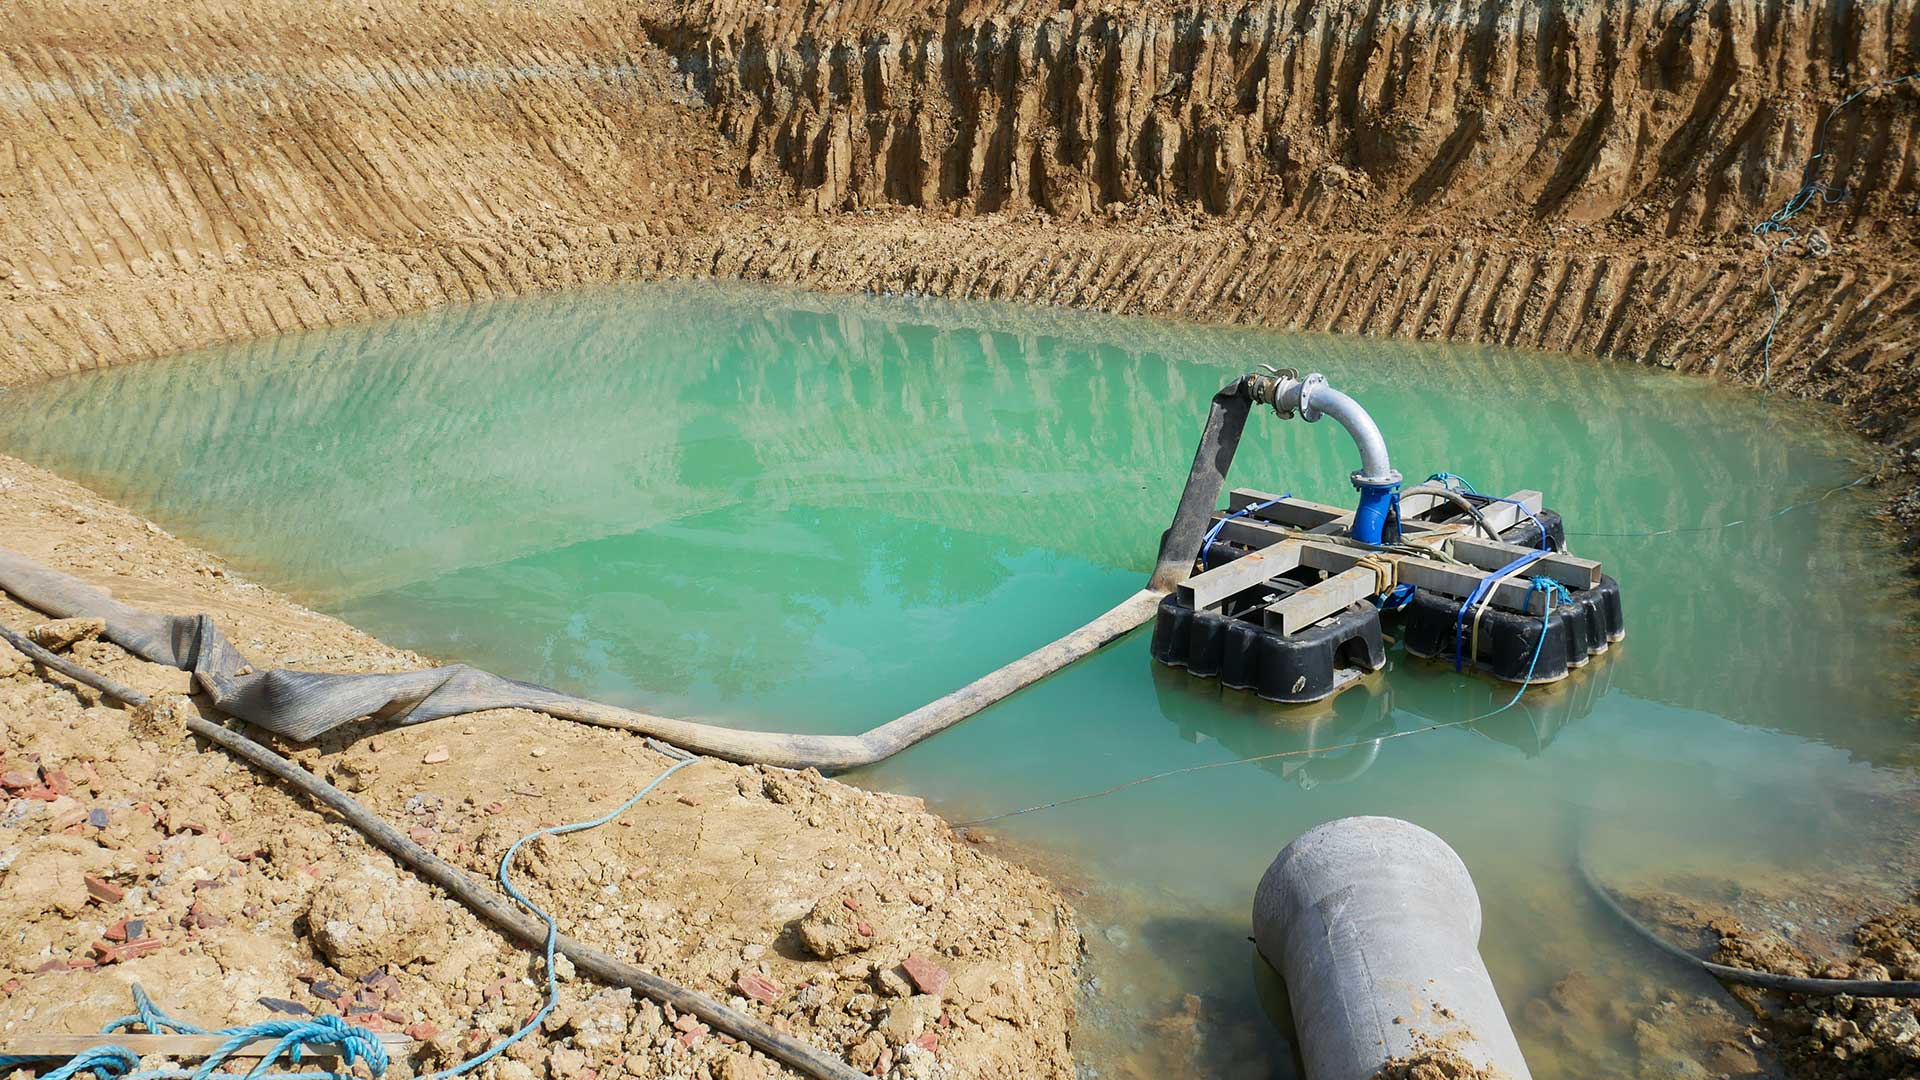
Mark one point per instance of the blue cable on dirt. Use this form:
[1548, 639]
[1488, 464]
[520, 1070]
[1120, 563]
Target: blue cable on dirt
[553, 927]
[1776, 233]
[356, 1043]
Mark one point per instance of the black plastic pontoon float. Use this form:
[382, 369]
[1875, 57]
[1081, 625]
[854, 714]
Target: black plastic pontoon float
[1290, 599]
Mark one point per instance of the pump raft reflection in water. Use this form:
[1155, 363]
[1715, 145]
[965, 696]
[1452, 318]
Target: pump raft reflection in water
[1291, 599]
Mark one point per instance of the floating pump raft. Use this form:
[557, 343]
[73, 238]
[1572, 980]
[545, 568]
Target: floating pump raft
[1293, 599]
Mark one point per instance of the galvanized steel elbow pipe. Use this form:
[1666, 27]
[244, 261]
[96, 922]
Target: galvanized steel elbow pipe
[1376, 479]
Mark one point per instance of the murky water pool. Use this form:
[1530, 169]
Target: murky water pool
[771, 509]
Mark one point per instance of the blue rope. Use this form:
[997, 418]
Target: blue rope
[1206, 546]
[1557, 594]
[553, 928]
[357, 1044]
[1447, 480]
[1479, 593]
[1776, 233]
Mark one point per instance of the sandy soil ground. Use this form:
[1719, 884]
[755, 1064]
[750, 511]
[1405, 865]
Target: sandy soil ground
[1579, 177]
[854, 919]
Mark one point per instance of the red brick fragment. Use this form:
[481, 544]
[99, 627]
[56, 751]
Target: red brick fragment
[689, 1023]
[11, 986]
[58, 783]
[851, 903]
[114, 954]
[51, 965]
[118, 931]
[81, 963]
[865, 928]
[927, 976]
[758, 988]
[929, 1041]
[104, 891]
[16, 780]
[422, 1031]
[689, 800]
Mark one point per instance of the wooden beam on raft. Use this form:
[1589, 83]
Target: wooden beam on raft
[178, 1046]
[1206, 589]
[1297, 611]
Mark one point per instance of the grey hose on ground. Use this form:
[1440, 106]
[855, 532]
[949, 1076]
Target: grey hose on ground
[301, 705]
[479, 898]
[1765, 980]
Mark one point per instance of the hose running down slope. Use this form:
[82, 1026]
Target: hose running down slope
[302, 705]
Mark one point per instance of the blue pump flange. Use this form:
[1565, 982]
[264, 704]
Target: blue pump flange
[1377, 519]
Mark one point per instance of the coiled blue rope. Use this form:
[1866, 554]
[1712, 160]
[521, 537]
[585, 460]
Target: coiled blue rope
[356, 1043]
[1776, 233]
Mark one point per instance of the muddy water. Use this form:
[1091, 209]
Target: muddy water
[770, 509]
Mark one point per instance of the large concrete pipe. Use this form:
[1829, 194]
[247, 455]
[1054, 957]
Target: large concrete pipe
[1375, 926]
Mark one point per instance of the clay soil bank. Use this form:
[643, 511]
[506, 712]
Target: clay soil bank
[1578, 177]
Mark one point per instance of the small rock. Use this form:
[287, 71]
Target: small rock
[891, 982]
[539, 751]
[759, 988]
[835, 926]
[689, 800]
[566, 1063]
[927, 976]
[436, 756]
[63, 633]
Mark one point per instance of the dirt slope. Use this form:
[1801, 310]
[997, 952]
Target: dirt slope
[1568, 176]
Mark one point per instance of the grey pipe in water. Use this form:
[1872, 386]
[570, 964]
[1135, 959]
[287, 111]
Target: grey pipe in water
[1374, 925]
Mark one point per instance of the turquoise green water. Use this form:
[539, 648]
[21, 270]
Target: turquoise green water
[776, 510]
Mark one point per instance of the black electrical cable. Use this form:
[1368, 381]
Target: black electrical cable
[1765, 980]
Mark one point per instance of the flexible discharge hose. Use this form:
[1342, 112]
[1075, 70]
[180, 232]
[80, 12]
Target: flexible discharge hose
[477, 897]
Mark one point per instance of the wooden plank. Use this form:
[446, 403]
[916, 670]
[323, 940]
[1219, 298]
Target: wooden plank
[1574, 572]
[1207, 589]
[1302, 609]
[187, 1046]
[1515, 593]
